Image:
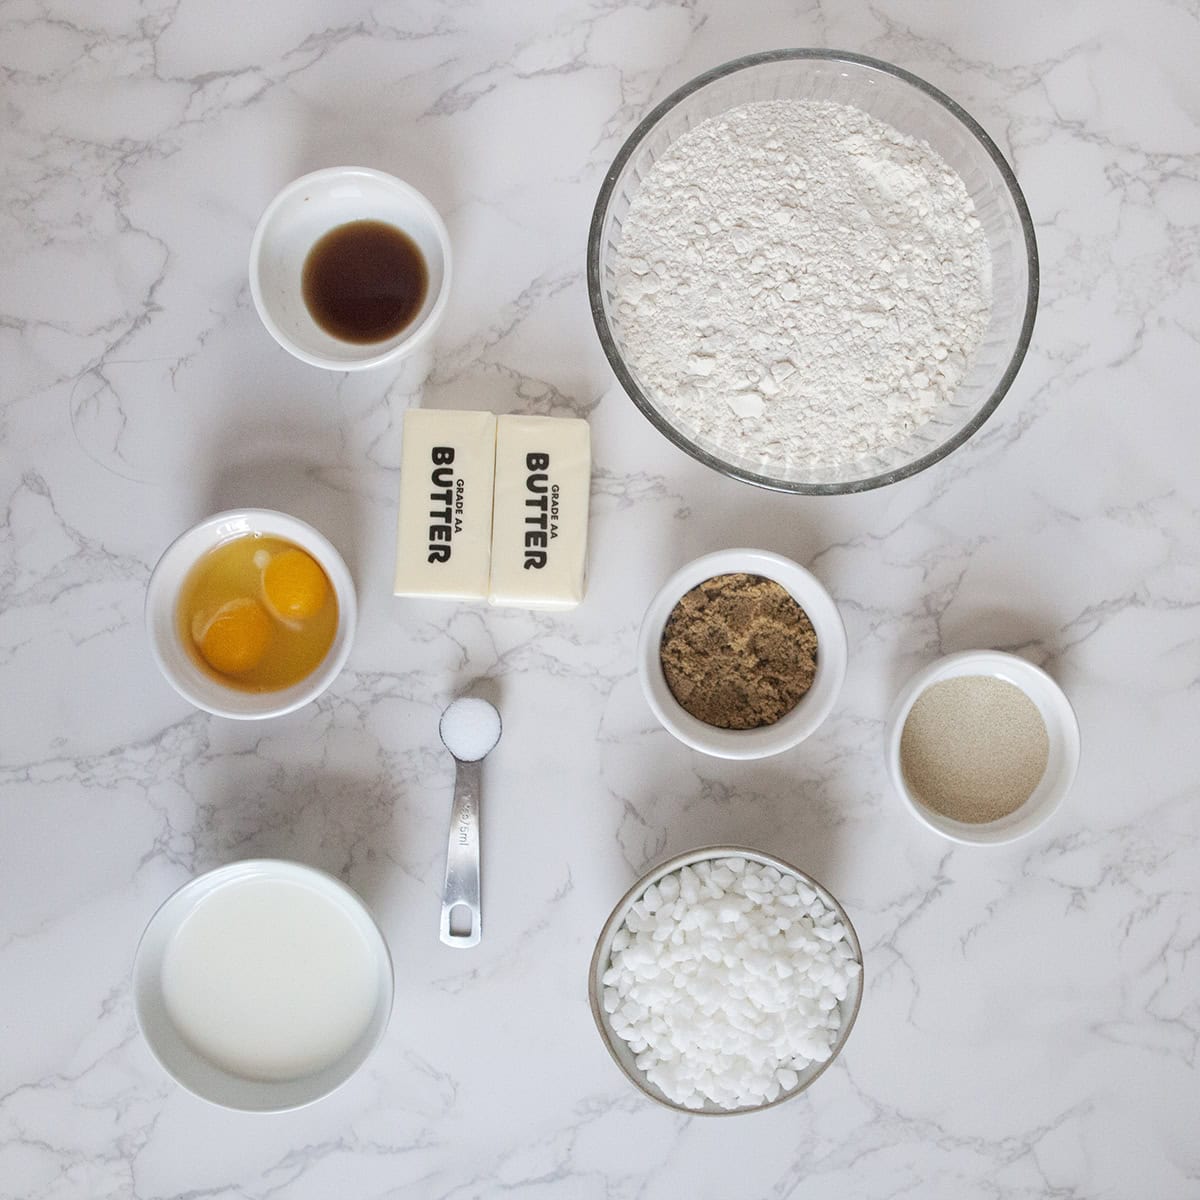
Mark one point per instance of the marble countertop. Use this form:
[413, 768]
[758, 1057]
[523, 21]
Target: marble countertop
[1030, 1025]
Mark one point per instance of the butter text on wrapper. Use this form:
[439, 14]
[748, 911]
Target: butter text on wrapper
[450, 493]
[546, 511]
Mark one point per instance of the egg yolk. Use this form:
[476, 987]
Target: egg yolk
[236, 638]
[294, 586]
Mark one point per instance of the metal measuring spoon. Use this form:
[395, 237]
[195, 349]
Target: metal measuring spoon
[469, 729]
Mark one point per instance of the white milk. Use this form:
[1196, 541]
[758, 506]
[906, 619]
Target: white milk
[269, 979]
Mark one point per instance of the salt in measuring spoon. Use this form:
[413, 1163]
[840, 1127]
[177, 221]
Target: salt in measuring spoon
[469, 729]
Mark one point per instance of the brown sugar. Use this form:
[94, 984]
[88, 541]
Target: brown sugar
[738, 652]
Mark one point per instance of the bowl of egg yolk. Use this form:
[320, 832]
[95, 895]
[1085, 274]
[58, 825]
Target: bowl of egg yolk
[251, 613]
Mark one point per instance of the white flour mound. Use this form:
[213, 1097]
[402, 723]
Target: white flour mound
[800, 283]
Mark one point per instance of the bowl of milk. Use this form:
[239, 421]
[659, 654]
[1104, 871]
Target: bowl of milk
[262, 985]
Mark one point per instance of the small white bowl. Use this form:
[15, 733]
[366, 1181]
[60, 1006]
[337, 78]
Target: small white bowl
[814, 706]
[197, 1074]
[1062, 729]
[620, 1050]
[298, 218]
[162, 600]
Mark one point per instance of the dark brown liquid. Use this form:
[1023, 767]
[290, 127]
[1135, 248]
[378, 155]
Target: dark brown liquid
[364, 281]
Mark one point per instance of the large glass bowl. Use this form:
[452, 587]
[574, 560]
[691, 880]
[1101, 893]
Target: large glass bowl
[915, 108]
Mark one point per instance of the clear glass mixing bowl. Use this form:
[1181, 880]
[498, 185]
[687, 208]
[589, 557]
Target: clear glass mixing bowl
[915, 108]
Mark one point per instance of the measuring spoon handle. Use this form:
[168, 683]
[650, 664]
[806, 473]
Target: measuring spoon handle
[461, 887]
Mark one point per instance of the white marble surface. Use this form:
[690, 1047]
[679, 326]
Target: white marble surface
[1030, 1026]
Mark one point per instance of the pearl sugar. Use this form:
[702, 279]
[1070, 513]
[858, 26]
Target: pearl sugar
[727, 980]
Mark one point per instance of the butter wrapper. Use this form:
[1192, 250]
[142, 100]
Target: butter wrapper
[444, 534]
[540, 512]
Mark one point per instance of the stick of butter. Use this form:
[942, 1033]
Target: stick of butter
[444, 537]
[540, 513]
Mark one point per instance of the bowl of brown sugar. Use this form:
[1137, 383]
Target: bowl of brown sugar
[982, 746]
[742, 654]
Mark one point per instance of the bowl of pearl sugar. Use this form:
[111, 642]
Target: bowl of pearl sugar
[725, 981]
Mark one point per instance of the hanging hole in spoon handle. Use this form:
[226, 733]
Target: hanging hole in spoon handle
[461, 916]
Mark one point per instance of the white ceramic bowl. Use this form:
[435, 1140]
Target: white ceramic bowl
[814, 706]
[162, 599]
[196, 1073]
[621, 1053]
[1062, 729]
[298, 218]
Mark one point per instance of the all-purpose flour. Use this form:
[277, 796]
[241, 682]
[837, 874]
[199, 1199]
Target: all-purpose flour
[800, 282]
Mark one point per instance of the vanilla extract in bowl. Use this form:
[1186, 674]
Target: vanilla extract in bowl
[365, 281]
